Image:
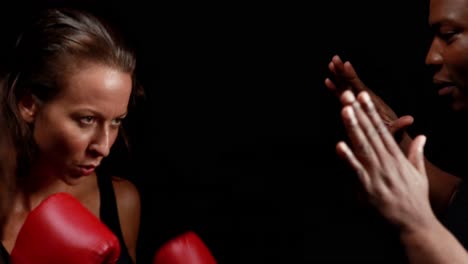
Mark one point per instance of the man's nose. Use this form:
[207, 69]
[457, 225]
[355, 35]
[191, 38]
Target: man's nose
[434, 55]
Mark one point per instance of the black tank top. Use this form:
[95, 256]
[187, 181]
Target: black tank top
[108, 214]
[4, 256]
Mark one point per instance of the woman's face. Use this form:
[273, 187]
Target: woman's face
[75, 130]
[449, 49]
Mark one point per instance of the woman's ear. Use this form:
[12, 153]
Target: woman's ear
[28, 107]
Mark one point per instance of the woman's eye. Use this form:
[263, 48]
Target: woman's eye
[87, 120]
[117, 121]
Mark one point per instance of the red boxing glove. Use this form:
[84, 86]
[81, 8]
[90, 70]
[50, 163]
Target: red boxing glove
[61, 230]
[183, 249]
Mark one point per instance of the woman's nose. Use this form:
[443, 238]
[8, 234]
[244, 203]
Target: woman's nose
[102, 143]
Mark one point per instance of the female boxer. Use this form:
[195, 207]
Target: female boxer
[69, 84]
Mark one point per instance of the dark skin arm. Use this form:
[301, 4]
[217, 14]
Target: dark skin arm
[129, 207]
[442, 184]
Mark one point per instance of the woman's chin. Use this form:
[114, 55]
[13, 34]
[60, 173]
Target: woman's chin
[77, 176]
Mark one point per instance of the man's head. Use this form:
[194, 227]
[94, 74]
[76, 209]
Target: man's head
[448, 53]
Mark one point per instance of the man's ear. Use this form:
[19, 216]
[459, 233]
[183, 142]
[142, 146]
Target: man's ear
[28, 107]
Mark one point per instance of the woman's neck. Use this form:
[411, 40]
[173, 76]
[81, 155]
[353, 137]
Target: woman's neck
[38, 184]
[31, 192]
[43, 180]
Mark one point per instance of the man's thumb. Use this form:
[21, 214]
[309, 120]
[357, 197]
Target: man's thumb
[416, 153]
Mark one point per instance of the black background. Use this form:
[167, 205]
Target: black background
[236, 139]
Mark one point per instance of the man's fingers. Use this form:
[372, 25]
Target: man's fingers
[401, 123]
[347, 154]
[370, 130]
[416, 153]
[360, 134]
[347, 98]
[331, 67]
[352, 77]
[329, 84]
[384, 134]
[337, 61]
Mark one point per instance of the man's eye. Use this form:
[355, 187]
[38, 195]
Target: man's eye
[447, 35]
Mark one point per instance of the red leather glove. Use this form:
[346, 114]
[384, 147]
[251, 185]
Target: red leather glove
[61, 230]
[184, 249]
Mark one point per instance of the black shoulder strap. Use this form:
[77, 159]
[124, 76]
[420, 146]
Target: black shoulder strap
[109, 214]
[4, 256]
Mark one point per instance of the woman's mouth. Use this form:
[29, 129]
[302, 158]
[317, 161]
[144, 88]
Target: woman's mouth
[86, 169]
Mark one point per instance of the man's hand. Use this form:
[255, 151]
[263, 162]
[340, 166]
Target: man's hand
[346, 78]
[396, 184]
